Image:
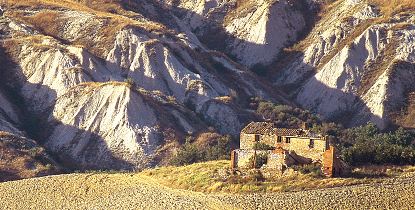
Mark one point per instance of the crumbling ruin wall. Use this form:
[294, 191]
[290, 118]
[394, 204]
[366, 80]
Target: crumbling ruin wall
[333, 166]
[276, 160]
[242, 157]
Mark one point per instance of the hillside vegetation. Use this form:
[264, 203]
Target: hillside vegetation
[128, 85]
[22, 158]
[393, 7]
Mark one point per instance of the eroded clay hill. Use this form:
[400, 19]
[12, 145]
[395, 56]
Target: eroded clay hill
[119, 84]
[358, 62]
[112, 83]
[255, 32]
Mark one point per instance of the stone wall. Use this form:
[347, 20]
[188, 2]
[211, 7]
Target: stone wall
[268, 139]
[276, 160]
[301, 146]
[306, 147]
[247, 141]
[234, 163]
[242, 157]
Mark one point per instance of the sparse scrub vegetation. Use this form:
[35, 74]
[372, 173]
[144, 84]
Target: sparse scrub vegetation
[130, 82]
[42, 21]
[367, 145]
[313, 169]
[284, 115]
[196, 151]
[361, 145]
[258, 160]
[392, 7]
[187, 154]
[22, 158]
[50, 22]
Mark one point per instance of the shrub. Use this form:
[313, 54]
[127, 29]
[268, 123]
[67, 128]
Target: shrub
[130, 82]
[258, 160]
[188, 154]
[191, 152]
[366, 145]
[221, 150]
[284, 115]
[313, 169]
[35, 151]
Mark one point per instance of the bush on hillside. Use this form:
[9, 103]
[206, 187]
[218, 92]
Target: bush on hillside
[284, 115]
[258, 160]
[313, 169]
[367, 145]
[130, 82]
[187, 154]
[361, 145]
[190, 152]
[219, 151]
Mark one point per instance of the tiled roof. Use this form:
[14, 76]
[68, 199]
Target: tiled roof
[287, 131]
[258, 128]
[269, 128]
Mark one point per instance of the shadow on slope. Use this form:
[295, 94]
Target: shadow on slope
[347, 109]
[352, 106]
[37, 127]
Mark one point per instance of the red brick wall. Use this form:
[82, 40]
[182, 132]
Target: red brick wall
[332, 166]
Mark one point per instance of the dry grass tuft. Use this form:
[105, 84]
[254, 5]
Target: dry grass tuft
[22, 158]
[393, 7]
[49, 20]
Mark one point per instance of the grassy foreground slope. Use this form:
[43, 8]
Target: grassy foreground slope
[147, 190]
[215, 177]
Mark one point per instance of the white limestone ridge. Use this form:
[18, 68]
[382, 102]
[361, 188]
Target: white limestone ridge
[359, 76]
[256, 31]
[95, 119]
[104, 126]
[263, 33]
[112, 86]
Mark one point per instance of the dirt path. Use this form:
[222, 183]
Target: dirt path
[134, 191]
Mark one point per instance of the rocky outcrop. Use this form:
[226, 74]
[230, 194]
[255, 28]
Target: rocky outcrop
[20, 157]
[112, 83]
[154, 65]
[349, 67]
[107, 87]
[111, 125]
[255, 32]
[261, 34]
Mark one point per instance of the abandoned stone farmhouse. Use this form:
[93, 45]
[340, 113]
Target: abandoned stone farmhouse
[285, 147]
